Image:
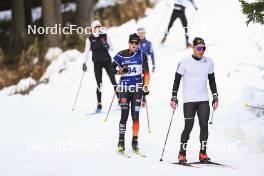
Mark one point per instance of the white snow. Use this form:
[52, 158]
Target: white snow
[40, 135]
[53, 54]
[105, 3]
[22, 86]
[5, 15]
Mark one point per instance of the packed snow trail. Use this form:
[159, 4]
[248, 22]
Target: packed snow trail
[40, 135]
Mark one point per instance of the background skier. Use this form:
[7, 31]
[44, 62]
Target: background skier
[179, 12]
[146, 46]
[99, 43]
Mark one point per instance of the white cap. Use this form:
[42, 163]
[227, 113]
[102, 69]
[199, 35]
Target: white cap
[95, 23]
[141, 29]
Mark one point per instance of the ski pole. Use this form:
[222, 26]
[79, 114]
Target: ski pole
[255, 107]
[147, 114]
[211, 121]
[75, 101]
[167, 136]
[110, 107]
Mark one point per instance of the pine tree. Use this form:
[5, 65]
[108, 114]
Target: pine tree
[254, 11]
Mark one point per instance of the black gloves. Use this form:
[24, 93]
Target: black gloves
[123, 70]
[145, 91]
[84, 67]
[153, 68]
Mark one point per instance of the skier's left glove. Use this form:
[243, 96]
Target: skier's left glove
[215, 101]
[174, 103]
[145, 91]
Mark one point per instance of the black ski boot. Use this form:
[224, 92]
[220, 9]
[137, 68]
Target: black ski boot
[203, 157]
[135, 144]
[121, 145]
[182, 157]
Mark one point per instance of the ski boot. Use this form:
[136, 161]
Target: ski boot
[182, 157]
[99, 108]
[135, 144]
[121, 146]
[203, 157]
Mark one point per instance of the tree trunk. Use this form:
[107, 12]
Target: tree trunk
[84, 12]
[51, 17]
[57, 5]
[28, 14]
[17, 36]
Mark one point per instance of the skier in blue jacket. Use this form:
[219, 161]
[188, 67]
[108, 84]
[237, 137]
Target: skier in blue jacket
[146, 46]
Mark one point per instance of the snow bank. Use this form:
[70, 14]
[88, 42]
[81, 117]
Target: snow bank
[60, 61]
[105, 3]
[22, 86]
[53, 54]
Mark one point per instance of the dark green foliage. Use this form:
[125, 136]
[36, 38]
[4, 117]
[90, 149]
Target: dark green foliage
[254, 11]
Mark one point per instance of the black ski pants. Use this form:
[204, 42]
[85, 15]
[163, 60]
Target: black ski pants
[129, 101]
[179, 14]
[203, 111]
[98, 72]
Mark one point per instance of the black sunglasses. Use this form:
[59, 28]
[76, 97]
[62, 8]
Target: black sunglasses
[134, 42]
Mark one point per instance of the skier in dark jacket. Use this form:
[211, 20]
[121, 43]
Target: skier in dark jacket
[179, 12]
[195, 70]
[146, 46]
[132, 64]
[99, 43]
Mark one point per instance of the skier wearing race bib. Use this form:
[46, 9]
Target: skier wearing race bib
[179, 12]
[195, 70]
[146, 46]
[99, 43]
[133, 64]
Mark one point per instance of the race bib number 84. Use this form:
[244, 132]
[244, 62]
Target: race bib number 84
[134, 70]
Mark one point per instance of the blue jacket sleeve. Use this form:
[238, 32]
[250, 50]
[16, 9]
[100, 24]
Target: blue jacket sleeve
[151, 53]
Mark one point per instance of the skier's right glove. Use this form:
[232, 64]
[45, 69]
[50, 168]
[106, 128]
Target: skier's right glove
[84, 67]
[174, 103]
[123, 70]
[153, 69]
